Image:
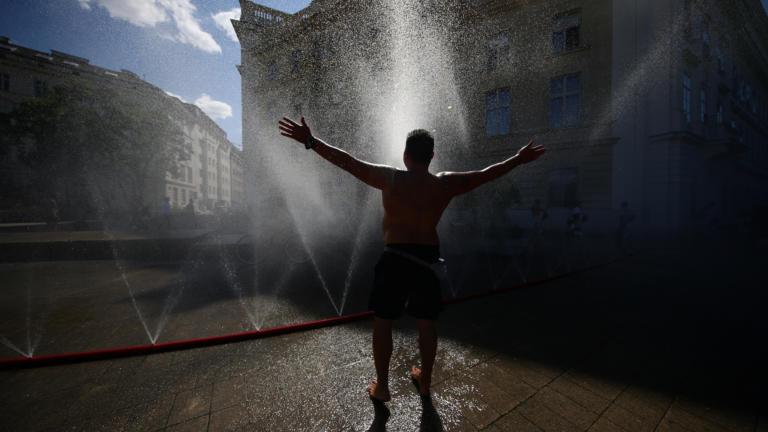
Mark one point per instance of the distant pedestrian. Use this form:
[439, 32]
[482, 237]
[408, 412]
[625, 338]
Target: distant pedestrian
[626, 216]
[165, 214]
[189, 209]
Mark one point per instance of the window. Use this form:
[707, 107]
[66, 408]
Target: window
[41, 88]
[498, 51]
[565, 101]
[703, 104]
[497, 112]
[687, 98]
[564, 187]
[5, 82]
[566, 33]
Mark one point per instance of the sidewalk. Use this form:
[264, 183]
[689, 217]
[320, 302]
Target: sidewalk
[665, 342]
[95, 245]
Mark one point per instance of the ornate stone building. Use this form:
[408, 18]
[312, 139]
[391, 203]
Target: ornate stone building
[659, 103]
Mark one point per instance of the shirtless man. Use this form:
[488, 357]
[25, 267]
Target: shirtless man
[414, 201]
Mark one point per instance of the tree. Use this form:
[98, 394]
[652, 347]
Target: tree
[93, 147]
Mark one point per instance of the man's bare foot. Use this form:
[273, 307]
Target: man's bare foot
[418, 381]
[377, 392]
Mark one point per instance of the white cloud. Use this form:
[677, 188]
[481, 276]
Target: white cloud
[189, 28]
[222, 20]
[176, 96]
[142, 13]
[150, 13]
[215, 109]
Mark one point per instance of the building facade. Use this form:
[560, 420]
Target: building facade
[207, 175]
[660, 104]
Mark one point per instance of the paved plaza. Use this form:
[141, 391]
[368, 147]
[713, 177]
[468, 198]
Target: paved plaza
[666, 340]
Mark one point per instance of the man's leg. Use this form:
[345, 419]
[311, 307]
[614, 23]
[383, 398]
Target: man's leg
[428, 350]
[382, 352]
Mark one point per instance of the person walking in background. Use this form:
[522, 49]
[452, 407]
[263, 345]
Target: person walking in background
[189, 209]
[414, 200]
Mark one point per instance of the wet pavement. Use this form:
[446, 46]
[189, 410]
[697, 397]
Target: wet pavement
[665, 340]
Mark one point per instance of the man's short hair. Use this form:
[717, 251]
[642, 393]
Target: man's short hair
[420, 146]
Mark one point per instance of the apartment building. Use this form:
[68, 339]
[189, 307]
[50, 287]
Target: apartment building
[206, 177]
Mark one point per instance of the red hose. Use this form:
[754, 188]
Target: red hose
[135, 350]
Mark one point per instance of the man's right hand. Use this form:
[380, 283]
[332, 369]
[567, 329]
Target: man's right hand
[529, 152]
[291, 129]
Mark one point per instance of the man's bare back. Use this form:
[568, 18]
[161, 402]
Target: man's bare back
[413, 205]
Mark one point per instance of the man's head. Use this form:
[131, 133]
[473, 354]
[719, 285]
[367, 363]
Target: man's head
[419, 147]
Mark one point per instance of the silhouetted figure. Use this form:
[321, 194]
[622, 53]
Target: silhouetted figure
[626, 216]
[189, 209]
[405, 276]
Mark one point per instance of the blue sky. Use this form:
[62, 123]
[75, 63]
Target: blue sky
[176, 45]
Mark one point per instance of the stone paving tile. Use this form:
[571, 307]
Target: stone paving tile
[607, 389]
[190, 404]
[227, 393]
[630, 421]
[582, 396]
[232, 419]
[565, 407]
[677, 416]
[532, 373]
[198, 424]
[516, 390]
[457, 394]
[604, 425]
[735, 421]
[644, 403]
[544, 418]
[514, 422]
[492, 392]
[35, 414]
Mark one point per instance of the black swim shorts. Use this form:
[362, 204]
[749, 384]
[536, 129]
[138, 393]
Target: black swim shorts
[402, 284]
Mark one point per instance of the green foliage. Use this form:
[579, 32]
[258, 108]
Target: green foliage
[95, 147]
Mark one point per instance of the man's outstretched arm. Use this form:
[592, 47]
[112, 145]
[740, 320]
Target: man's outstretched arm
[462, 182]
[377, 176]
